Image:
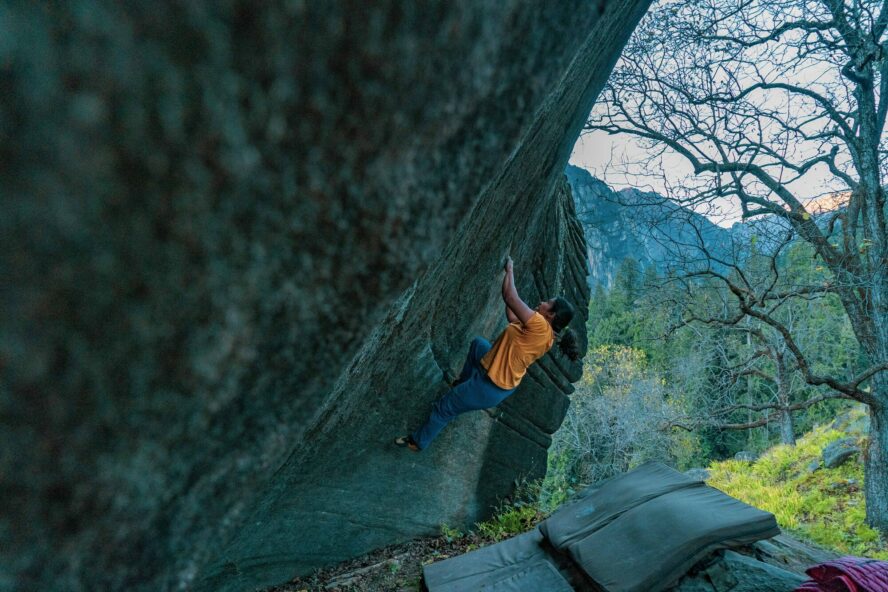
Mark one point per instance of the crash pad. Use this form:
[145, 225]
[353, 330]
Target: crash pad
[514, 565]
[637, 532]
[648, 548]
[601, 503]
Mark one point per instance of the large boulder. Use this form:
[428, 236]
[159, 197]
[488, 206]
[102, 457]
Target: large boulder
[855, 421]
[773, 565]
[698, 473]
[348, 489]
[243, 242]
[839, 451]
[729, 571]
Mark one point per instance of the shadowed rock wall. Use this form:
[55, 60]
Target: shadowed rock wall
[347, 489]
[239, 242]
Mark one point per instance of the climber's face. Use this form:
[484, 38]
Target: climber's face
[545, 308]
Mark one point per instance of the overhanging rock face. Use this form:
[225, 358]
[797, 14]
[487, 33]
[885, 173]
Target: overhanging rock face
[348, 489]
[245, 240]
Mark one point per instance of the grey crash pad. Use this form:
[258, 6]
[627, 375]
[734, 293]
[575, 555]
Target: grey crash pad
[514, 565]
[648, 548]
[603, 502]
[638, 532]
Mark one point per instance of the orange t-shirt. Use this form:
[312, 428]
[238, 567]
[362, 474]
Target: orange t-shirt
[517, 347]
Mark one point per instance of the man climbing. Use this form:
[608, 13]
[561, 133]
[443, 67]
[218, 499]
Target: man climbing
[492, 372]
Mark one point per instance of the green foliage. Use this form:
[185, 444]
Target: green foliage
[634, 345]
[826, 506]
[615, 422]
[510, 521]
[694, 361]
[558, 484]
[624, 315]
[513, 516]
[451, 534]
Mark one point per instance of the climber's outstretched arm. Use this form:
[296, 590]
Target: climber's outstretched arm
[510, 295]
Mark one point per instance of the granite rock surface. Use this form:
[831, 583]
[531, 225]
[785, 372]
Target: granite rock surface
[773, 565]
[838, 452]
[244, 242]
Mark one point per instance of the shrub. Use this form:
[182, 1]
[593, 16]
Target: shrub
[510, 522]
[614, 423]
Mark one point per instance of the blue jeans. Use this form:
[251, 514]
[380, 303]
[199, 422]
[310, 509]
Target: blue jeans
[473, 391]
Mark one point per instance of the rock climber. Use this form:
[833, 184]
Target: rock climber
[492, 372]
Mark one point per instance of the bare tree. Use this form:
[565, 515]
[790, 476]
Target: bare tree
[766, 100]
[761, 377]
[757, 376]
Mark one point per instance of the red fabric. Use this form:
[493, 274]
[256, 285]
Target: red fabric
[848, 574]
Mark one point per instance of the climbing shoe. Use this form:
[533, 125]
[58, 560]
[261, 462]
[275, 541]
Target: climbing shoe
[407, 442]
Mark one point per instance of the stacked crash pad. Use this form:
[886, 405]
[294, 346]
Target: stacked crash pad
[637, 532]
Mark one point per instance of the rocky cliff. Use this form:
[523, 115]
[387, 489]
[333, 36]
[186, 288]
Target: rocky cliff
[242, 243]
[644, 226]
[658, 233]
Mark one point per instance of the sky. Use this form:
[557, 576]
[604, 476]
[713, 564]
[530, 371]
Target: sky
[612, 158]
[609, 156]
[621, 161]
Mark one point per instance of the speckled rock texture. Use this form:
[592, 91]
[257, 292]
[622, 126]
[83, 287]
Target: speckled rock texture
[240, 244]
[733, 572]
[838, 452]
[774, 565]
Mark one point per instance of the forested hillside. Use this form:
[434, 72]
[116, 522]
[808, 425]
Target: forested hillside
[663, 387]
[643, 225]
[766, 111]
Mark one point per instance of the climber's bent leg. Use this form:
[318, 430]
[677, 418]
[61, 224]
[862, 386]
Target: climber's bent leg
[444, 410]
[477, 349]
[476, 393]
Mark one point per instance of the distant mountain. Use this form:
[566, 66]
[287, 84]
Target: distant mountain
[645, 226]
[656, 232]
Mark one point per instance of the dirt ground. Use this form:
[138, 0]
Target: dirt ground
[393, 569]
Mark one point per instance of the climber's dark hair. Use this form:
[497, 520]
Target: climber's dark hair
[567, 338]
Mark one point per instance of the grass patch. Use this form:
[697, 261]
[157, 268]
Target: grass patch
[510, 522]
[825, 506]
[512, 517]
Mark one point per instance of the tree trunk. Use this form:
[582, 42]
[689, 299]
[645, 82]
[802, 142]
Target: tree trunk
[750, 443]
[876, 467]
[787, 431]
